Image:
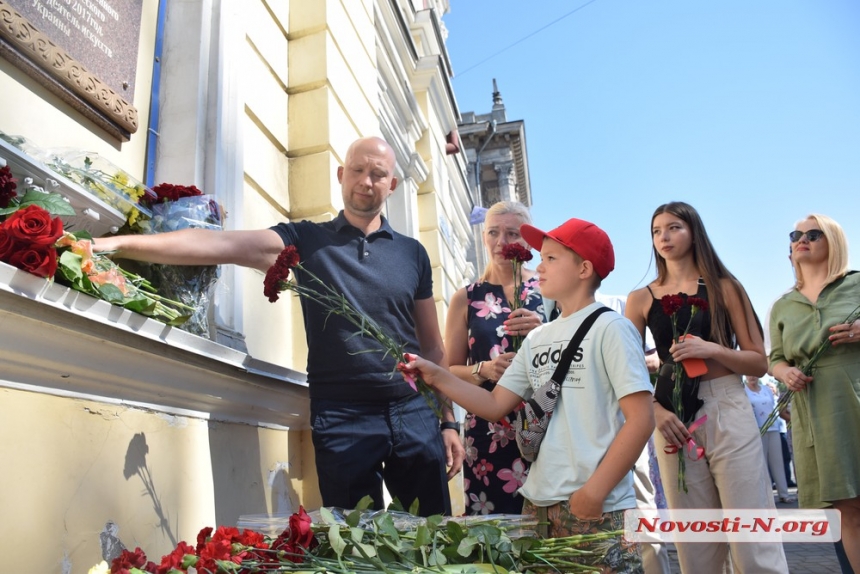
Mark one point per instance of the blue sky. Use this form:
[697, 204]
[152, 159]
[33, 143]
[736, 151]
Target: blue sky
[748, 110]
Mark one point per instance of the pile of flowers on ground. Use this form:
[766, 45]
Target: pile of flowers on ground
[375, 541]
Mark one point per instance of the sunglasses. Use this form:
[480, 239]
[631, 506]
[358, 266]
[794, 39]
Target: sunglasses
[812, 235]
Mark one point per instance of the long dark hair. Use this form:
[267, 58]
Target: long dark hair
[710, 268]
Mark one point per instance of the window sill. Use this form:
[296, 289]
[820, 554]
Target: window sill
[93, 214]
[60, 341]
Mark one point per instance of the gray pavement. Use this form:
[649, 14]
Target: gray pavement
[802, 558]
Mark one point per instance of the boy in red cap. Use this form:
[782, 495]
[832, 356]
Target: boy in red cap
[582, 480]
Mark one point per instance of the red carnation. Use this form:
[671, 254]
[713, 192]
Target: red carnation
[7, 186]
[171, 192]
[128, 560]
[516, 252]
[699, 303]
[278, 274]
[671, 304]
[252, 538]
[175, 559]
[216, 550]
[203, 537]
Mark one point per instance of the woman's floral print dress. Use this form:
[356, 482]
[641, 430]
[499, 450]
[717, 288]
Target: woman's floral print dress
[493, 470]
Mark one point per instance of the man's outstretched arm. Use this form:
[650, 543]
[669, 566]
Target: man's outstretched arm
[257, 249]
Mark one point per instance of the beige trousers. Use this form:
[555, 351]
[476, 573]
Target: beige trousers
[731, 474]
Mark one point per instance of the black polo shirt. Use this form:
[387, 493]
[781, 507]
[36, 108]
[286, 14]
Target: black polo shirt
[381, 275]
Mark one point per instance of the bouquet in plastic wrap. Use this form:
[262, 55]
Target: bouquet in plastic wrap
[102, 179]
[182, 207]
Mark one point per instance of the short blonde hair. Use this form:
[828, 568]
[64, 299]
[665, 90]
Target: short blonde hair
[506, 208]
[837, 252]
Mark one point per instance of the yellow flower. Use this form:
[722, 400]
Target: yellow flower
[120, 179]
[100, 568]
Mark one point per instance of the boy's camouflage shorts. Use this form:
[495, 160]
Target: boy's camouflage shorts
[613, 555]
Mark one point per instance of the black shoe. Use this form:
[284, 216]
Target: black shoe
[792, 484]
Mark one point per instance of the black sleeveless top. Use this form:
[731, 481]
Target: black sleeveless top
[660, 324]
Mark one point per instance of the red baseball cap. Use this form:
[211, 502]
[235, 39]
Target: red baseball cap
[586, 239]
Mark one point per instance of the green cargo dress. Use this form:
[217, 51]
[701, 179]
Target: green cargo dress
[825, 417]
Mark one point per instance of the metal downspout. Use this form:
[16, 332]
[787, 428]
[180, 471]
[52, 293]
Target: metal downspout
[154, 103]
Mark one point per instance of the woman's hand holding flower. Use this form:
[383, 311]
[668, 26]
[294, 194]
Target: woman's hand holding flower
[692, 347]
[845, 333]
[522, 321]
[670, 426]
[793, 377]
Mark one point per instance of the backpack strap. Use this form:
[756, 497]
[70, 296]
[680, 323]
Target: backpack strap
[546, 397]
[567, 355]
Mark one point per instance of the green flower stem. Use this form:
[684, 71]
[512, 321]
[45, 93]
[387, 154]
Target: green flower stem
[785, 399]
[334, 303]
[151, 291]
[677, 391]
[516, 340]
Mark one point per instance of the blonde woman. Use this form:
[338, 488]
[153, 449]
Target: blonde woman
[825, 406]
[479, 334]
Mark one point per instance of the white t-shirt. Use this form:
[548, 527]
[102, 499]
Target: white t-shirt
[587, 417]
[618, 303]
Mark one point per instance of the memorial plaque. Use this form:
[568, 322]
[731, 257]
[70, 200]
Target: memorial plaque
[103, 35]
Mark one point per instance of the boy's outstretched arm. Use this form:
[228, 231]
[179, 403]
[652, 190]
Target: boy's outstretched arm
[587, 502]
[487, 405]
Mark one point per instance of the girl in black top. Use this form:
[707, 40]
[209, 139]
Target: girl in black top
[731, 472]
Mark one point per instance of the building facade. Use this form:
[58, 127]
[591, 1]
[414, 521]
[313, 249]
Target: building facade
[498, 164]
[117, 428]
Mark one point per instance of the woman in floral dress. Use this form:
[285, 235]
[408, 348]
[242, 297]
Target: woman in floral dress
[480, 334]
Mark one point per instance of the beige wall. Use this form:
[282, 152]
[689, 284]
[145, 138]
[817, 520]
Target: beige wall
[77, 464]
[260, 99]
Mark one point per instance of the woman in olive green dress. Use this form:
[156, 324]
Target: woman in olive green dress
[826, 405]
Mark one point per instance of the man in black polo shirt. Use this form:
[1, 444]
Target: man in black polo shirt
[368, 427]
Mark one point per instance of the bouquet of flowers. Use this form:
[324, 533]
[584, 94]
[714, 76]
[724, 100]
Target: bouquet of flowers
[684, 381]
[181, 207]
[517, 255]
[377, 541]
[34, 241]
[807, 369]
[334, 303]
[104, 180]
[8, 186]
